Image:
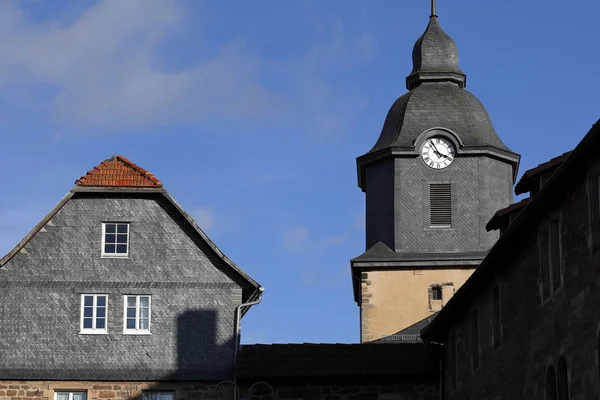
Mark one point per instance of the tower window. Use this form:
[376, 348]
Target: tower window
[436, 293]
[440, 205]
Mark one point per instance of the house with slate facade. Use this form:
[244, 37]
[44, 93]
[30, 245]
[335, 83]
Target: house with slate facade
[118, 294]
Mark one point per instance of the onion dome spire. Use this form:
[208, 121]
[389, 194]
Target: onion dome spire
[435, 57]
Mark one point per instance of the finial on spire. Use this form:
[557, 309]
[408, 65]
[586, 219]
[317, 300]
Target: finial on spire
[433, 11]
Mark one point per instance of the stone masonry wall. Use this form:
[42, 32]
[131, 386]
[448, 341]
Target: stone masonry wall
[355, 389]
[536, 333]
[45, 390]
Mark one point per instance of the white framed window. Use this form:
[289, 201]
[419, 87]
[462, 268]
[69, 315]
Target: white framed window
[93, 313]
[64, 395]
[158, 396]
[137, 314]
[115, 239]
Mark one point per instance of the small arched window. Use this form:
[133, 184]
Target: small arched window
[551, 384]
[563, 381]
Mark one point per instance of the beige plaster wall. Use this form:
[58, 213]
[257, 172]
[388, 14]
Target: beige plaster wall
[394, 300]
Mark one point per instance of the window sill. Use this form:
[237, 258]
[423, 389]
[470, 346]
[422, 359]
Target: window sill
[92, 332]
[114, 256]
[138, 333]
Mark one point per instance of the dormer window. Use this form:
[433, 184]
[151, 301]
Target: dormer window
[115, 239]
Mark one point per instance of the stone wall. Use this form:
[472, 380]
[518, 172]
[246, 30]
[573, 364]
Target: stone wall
[45, 390]
[537, 332]
[415, 388]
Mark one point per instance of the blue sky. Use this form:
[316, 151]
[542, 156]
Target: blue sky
[252, 115]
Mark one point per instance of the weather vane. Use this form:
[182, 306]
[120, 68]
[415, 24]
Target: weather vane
[433, 14]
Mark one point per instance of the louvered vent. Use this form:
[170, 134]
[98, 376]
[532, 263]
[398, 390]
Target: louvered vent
[440, 204]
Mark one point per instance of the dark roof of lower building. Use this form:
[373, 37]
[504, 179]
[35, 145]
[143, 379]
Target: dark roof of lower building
[528, 178]
[570, 173]
[411, 333]
[308, 360]
[499, 220]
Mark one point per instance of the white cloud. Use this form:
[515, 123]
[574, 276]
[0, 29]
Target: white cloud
[99, 71]
[296, 238]
[299, 238]
[100, 67]
[204, 217]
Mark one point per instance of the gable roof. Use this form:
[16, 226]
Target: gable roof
[501, 216]
[112, 186]
[528, 178]
[569, 174]
[118, 172]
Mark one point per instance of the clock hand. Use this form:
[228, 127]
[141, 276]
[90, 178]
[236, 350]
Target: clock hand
[435, 150]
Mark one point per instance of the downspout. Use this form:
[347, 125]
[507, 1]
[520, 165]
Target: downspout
[238, 325]
[438, 347]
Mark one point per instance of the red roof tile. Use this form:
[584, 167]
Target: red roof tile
[119, 172]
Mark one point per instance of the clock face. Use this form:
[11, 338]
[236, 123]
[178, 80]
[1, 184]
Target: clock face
[438, 152]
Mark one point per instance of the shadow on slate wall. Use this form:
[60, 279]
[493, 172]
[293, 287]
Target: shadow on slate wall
[201, 362]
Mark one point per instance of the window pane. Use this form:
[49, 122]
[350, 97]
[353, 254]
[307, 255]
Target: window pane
[130, 301]
[551, 384]
[563, 381]
[121, 238]
[78, 396]
[496, 316]
[122, 228]
[88, 312]
[144, 323]
[109, 238]
[62, 396]
[555, 254]
[110, 228]
[101, 301]
[88, 301]
[150, 396]
[109, 248]
[144, 300]
[131, 313]
[101, 312]
[100, 323]
[131, 324]
[144, 312]
[167, 396]
[544, 263]
[121, 248]
[87, 323]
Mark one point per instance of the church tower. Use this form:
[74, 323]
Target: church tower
[433, 179]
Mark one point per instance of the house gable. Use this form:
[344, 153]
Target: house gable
[194, 291]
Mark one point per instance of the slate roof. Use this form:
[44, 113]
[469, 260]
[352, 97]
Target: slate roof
[380, 252]
[571, 172]
[411, 333]
[118, 172]
[435, 57]
[436, 99]
[438, 105]
[530, 177]
[500, 218]
[251, 287]
[261, 361]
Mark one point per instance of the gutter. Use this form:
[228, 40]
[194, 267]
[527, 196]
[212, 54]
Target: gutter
[238, 324]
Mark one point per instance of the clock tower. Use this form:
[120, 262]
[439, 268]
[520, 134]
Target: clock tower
[433, 179]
